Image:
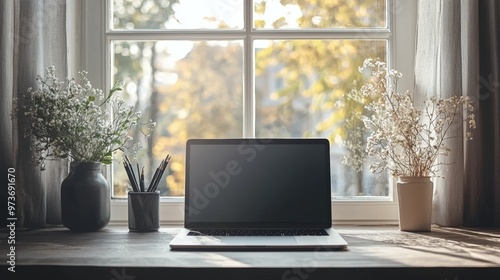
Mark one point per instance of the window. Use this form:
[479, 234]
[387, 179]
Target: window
[233, 68]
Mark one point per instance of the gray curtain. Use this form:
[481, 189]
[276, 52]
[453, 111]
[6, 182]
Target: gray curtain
[482, 188]
[457, 54]
[33, 37]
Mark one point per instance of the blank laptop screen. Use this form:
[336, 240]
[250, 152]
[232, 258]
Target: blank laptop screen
[258, 183]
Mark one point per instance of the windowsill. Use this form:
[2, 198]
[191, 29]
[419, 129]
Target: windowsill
[362, 211]
[443, 253]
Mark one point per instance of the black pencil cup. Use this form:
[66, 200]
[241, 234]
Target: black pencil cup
[144, 211]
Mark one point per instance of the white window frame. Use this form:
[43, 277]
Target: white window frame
[352, 210]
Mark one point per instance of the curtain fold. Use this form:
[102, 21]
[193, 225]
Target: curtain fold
[439, 73]
[482, 188]
[33, 38]
[6, 92]
[456, 52]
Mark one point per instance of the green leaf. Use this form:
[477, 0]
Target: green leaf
[91, 98]
[107, 160]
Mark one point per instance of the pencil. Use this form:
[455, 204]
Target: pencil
[142, 179]
[134, 182]
[130, 177]
[131, 169]
[160, 175]
[157, 171]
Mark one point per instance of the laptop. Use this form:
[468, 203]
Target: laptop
[258, 193]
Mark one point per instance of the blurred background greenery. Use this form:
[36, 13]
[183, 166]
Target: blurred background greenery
[194, 88]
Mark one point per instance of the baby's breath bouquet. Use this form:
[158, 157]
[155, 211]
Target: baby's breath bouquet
[404, 139]
[72, 119]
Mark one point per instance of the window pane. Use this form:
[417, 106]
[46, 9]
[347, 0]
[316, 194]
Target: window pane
[190, 88]
[289, 14]
[177, 14]
[298, 86]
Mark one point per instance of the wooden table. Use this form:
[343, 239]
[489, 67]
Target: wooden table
[380, 252]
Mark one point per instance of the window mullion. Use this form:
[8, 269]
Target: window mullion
[177, 35]
[359, 34]
[248, 74]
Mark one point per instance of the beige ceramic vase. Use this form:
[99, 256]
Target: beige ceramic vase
[415, 203]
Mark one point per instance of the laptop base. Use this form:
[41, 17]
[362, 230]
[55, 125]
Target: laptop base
[182, 241]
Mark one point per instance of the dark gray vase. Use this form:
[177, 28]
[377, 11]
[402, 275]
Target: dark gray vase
[85, 198]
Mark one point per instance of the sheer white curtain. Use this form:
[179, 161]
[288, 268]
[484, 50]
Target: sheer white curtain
[34, 36]
[450, 60]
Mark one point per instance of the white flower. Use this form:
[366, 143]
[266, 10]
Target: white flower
[72, 119]
[406, 140]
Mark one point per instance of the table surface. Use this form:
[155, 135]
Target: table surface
[442, 251]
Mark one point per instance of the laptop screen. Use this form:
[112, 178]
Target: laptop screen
[258, 183]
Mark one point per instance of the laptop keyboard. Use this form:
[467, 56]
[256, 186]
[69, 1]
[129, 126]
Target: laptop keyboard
[258, 232]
